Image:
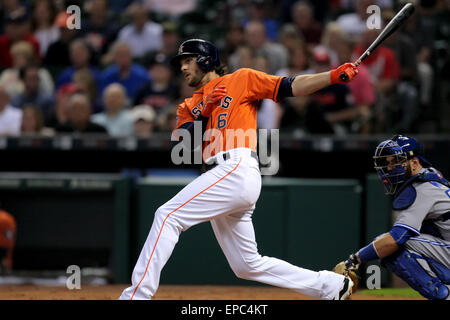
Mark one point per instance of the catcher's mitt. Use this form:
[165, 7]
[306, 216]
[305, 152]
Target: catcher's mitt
[341, 268]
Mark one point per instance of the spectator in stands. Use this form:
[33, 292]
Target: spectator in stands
[118, 6]
[116, 118]
[441, 58]
[269, 112]
[422, 28]
[58, 55]
[33, 122]
[79, 114]
[170, 44]
[362, 89]
[303, 19]
[298, 60]
[258, 10]
[142, 35]
[303, 115]
[131, 75]
[6, 8]
[243, 57]
[17, 29]
[331, 39]
[80, 56]
[32, 93]
[23, 55]
[101, 27]
[354, 23]
[172, 8]
[384, 70]
[161, 91]
[292, 113]
[383, 66]
[407, 93]
[170, 39]
[234, 39]
[85, 81]
[256, 38]
[168, 122]
[60, 114]
[289, 36]
[334, 100]
[144, 120]
[42, 24]
[10, 117]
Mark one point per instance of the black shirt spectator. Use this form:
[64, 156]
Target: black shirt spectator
[79, 117]
[58, 54]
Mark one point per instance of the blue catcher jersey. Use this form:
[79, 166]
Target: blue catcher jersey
[429, 212]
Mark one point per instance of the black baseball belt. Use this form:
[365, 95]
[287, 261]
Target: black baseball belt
[225, 156]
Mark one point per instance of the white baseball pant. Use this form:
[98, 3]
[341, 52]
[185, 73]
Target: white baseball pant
[225, 196]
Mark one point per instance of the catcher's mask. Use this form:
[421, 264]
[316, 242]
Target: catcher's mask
[389, 160]
[207, 54]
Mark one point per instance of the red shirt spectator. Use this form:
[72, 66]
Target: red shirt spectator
[382, 63]
[362, 88]
[17, 29]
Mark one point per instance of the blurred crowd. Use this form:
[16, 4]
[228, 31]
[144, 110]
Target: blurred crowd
[113, 74]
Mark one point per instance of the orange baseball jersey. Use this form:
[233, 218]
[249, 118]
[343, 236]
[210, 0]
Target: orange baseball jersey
[233, 123]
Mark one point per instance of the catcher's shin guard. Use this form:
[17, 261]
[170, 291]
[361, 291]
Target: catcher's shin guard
[406, 265]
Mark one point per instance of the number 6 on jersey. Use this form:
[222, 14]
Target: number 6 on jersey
[222, 120]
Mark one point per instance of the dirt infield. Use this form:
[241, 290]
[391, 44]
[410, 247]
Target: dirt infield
[165, 292]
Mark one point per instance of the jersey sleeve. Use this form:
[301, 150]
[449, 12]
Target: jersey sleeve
[261, 85]
[184, 114]
[412, 217]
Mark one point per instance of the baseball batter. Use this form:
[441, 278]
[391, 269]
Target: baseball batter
[226, 194]
[417, 249]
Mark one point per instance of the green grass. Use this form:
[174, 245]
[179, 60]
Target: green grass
[391, 292]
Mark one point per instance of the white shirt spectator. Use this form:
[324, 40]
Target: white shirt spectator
[149, 39]
[120, 125]
[46, 38]
[10, 120]
[10, 80]
[172, 7]
[352, 24]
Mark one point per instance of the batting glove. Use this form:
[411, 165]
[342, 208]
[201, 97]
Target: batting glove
[212, 100]
[348, 68]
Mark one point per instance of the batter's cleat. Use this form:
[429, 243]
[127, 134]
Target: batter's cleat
[346, 290]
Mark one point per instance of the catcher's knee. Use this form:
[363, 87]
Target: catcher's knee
[407, 266]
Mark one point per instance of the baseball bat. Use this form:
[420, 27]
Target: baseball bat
[392, 26]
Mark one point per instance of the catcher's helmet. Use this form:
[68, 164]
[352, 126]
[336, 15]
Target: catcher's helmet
[388, 162]
[412, 148]
[207, 54]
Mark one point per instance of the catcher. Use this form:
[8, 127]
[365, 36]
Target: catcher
[417, 249]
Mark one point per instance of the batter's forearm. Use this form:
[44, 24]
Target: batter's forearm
[310, 83]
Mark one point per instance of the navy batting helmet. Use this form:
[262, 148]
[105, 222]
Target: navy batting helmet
[388, 159]
[207, 54]
[412, 148]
